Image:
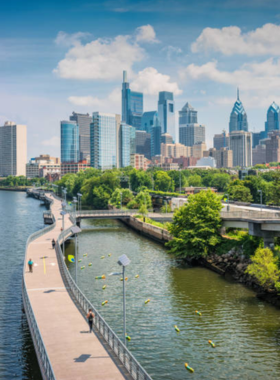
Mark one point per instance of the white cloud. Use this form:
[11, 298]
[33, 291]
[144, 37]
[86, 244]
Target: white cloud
[111, 102]
[146, 33]
[100, 59]
[264, 76]
[230, 40]
[150, 82]
[54, 142]
[65, 39]
[172, 51]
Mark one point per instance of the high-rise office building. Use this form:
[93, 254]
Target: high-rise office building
[132, 105]
[259, 154]
[238, 117]
[13, 149]
[191, 134]
[155, 140]
[198, 149]
[166, 138]
[143, 143]
[175, 150]
[221, 140]
[149, 119]
[240, 142]
[257, 137]
[166, 112]
[187, 115]
[69, 141]
[273, 147]
[223, 156]
[273, 118]
[104, 144]
[83, 121]
[127, 135]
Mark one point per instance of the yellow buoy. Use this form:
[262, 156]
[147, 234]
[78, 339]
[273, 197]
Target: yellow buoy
[104, 303]
[79, 260]
[100, 277]
[85, 254]
[147, 301]
[198, 313]
[137, 276]
[102, 257]
[176, 328]
[127, 337]
[104, 287]
[125, 279]
[212, 344]
[90, 264]
[110, 254]
[189, 368]
[83, 267]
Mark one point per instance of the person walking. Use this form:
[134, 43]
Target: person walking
[53, 243]
[90, 316]
[30, 265]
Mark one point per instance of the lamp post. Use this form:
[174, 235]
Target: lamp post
[79, 201]
[165, 201]
[65, 192]
[180, 181]
[121, 200]
[123, 261]
[63, 213]
[76, 230]
[260, 192]
[75, 202]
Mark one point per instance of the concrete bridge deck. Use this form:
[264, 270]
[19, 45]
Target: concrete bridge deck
[73, 352]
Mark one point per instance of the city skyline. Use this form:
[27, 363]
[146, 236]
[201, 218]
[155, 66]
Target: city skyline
[201, 61]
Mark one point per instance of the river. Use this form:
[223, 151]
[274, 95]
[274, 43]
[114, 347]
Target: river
[246, 331]
[20, 216]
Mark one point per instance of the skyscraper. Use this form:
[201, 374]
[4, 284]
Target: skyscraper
[187, 115]
[69, 141]
[166, 138]
[273, 147]
[104, 145]
[166, 112]
[126, 144]
[83, 121]
[238, 117]
[221, 140]
[155, 140]
[13, 149]
[149, 119]
[143, 143]
[273, 117]
[191, 134]
[240, 142]
[132, 104]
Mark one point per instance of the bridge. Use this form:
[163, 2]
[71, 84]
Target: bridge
[55, 309]
[264, 223]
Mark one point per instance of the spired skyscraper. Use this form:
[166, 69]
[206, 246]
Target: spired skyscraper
[187, 115]
[132, 104]
[166, 112]
[273, 117]
[238, 117]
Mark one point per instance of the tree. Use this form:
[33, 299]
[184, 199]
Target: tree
[119, 196]
[195, 180]
[143, 211]
[163, 182]
[176, 175]
[139, 178]
[264, 267]
[255, 183]
[240, 193]
[196, 225]
[274, 193]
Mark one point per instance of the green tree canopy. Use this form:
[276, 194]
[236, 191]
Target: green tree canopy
[196, 225]
[163, 182]
[195, 180]
[240, 193]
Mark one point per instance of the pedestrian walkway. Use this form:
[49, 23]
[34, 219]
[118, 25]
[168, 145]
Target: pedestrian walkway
[74, 353]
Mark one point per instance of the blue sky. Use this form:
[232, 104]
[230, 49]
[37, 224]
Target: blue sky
[62, 56]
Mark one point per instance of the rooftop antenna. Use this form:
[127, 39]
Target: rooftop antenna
[237, 93]
[124, 76]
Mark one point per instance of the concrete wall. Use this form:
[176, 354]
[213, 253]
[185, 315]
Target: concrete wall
[156, 233]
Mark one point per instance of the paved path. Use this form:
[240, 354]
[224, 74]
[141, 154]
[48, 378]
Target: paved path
[74, 353]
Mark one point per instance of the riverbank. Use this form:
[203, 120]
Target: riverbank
[233, 263]
[22, 189]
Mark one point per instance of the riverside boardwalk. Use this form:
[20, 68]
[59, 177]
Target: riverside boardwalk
[74, 353]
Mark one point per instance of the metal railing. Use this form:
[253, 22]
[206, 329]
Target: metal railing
[106, 212]
[250, 215]
[42, 355]
[136, 371]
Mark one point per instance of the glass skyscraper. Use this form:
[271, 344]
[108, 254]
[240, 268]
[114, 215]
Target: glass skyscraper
[187, 115]
[69, 145]
[83, 121]
[126, 144]
[149, 119]
[155, 140]
[273, 117]
[238, 117]
[103, 140]
[166, 112]
[132, 105]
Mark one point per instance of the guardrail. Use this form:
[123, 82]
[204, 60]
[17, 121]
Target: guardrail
[250, 215]
[42, 355]
[82, 213]
[124, 355]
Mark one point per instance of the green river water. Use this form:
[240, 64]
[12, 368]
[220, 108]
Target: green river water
[246, 331]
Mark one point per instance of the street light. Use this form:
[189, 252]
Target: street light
[79, 201]
[75, 201]
[75, 231]
[227, 201]
[122, 261]
[65, 192]
[63, 213]
[121, 200]
[260, 192]
[180, 181]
